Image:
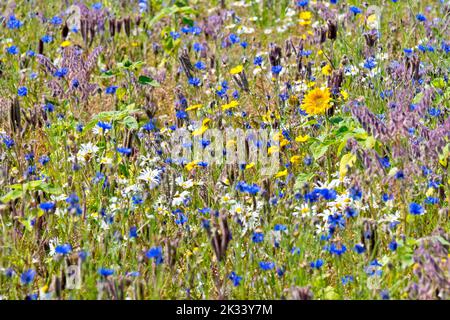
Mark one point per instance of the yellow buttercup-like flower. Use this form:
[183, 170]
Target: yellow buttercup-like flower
[237, 69]
[317, 101]
[305, 18]
[302, 138]
[65, 43]
[295, 159]
[191, 165]
[250, 165]
[194, 107]
[326, 71]
[281, 174]
[232, 104]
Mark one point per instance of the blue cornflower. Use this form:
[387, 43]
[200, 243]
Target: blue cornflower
[49, 107]
[125, 151]
[155, 253]
[244, 44]
[295, 251]
[302, 3]
[12, 50]
[393, 245]
[56, 20]
[13, 23]
[280, 227]
[63, 249]
[61, 73]
[104, 272]
[43, 160]
[137, 200]
[149, 126]
[415, 209]
[431, 200]
[194, 81]
[421, 17]
[355, 10]
[175, 35]
[277, 69]
[235, 278]
[181, 114]
[355, 193]
[200, 65]
[258, 237]
[359, 248]
[104, 125]
[434, 112]
[111, 90]
[370, 63]
[27, 276]
[75, 83]
[266, 265]
[31, 53]
[258, 61]
[133, 232]
[22, 91]
[47, 38]
[47, 206]
[197, 47]
[337, 250]
[98, 5]
[316, 264]
[234, 38]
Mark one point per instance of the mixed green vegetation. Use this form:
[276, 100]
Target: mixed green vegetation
[96, 204]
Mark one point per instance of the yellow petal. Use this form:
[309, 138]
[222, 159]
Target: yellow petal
[237, 69]
[302, 138]
[250, 165]
[194, 107]
[66, 43]
[281, 174]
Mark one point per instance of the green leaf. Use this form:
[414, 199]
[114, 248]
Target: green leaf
[10, 196]
[147, 80]
[302, 179]
[318, 150]
[131, 123]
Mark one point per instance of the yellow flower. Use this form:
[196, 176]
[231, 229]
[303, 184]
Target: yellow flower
[317, 101]
[232, 104]
[320, 52]
[194, 107]
[191, 165]
[281, 174]
[134, 44]
[302, 138]
[295, 159]
[344, 95]
[326, 71]
[200, 131]
[305, 18]
[237, 69]
[65, 43]
[273, 149]
[284, 142]
[305, 15]
[250, 165]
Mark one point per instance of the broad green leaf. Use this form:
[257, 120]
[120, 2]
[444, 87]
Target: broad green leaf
[147, 80]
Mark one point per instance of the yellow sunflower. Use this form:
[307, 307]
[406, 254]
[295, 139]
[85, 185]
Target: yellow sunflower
[317, 101]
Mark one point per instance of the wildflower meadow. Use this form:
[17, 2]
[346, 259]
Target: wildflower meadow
[221, 150]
